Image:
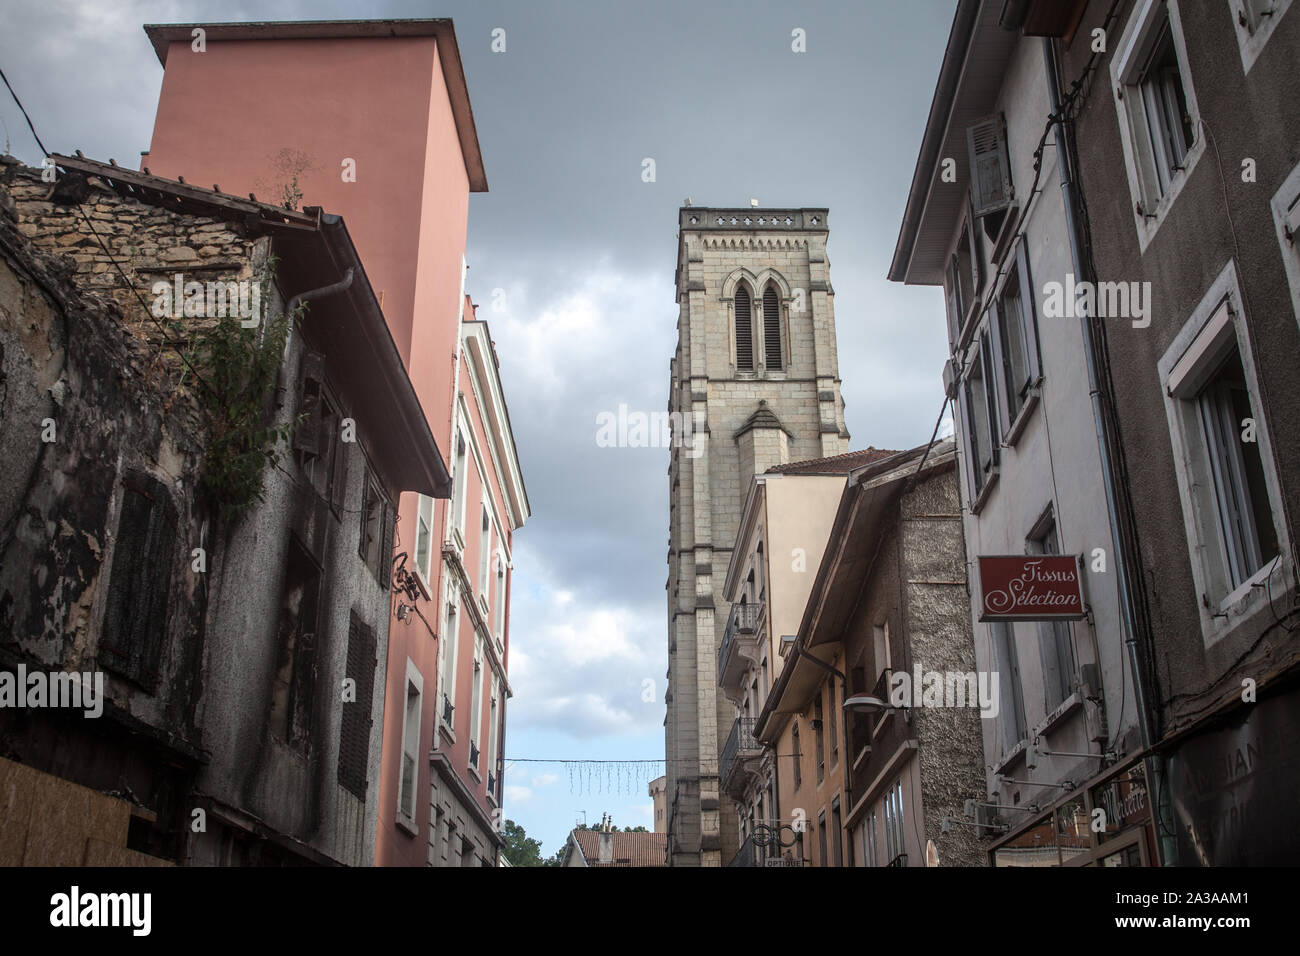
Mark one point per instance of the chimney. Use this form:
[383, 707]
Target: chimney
[606, 852]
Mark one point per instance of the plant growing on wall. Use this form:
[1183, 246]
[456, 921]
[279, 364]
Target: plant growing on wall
[239, 367]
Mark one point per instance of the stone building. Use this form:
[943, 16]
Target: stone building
[235, 624]
[755, 375]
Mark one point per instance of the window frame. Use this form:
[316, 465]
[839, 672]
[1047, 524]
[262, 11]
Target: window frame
[414, 681]
[1285, 205]
[1252, 37]
[1215, 327]
[1016, 276]
[979, 350]
[1137, 43]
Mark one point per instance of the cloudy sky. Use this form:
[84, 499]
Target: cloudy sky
[585, 251]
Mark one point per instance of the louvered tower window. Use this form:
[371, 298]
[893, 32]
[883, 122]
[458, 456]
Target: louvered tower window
[772, 328]
[744, 332]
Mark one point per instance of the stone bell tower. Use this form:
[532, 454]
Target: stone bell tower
[756, 375]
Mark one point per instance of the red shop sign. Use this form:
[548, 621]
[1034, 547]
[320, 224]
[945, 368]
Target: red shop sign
[1030, 587]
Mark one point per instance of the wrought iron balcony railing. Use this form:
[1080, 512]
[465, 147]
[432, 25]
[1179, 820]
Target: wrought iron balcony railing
[473, 755]
[741, 742]
[743, 620]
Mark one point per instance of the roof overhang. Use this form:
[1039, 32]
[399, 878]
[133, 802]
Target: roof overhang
[970, 78]
[348, 328]
[162, 35]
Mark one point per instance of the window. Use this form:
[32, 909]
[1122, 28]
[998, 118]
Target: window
[1254, 21]
[476, 706]
[424, 537]
[1227, 483]
[872, 839]
[744, 331]
[823, 856]
[1157, 111]
[895, 836]
[772, 328]
[819, 728]
[295, 675]
[494, 722]
[832, 723]
[837, 838]
[499, 601]
[316, 440]
[1011, 705]
[1017, 342]
[979, 418]
[410, 769]
[376, 540]
[484, 553]
[880, 651]
[139, 586]
[963, 281]
[458, 485]
[1055, 638]
[354, 729]
[1286, 215]
[447, 659]
[797, 755]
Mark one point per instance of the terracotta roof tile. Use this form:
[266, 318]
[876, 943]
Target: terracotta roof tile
[834, 465]
[629, 849]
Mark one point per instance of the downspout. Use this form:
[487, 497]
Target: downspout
[312, 294]
[1065, 151]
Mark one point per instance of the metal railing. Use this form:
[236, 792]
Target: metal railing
[743, 620]
[741, 742]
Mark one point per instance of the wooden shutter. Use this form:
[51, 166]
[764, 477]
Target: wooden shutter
[139, 586]
[306, 437]
[772, 328]
[990, 168]
[339, 477]
[744, 332]
[386, 546]
[354, 729]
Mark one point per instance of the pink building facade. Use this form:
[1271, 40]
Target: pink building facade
[371, 120]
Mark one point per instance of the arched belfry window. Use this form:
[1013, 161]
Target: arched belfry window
[744, 332]
[772, 327]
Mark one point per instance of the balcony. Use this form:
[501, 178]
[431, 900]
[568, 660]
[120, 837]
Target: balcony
[768, 854]
[473, 755]
[740, 639]
[738, 756]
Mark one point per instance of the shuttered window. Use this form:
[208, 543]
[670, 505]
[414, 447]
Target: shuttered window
[744, 332]
[135, 615]
[354, 732]
[772, 328]
[376, 544]
[990, 168]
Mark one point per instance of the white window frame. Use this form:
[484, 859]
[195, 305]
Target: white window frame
[494, 720]
[980, 350]
[1194, 353]
[485, 549]
[410, 748]
[476, 705]
[1134, 47]
[447, 645]
[459, 490]
[1009, 427]
[424, 521]
[1286, 216]
[1259, 26]
[499, 597]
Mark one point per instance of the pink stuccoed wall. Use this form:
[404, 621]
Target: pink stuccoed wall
[224, 115]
